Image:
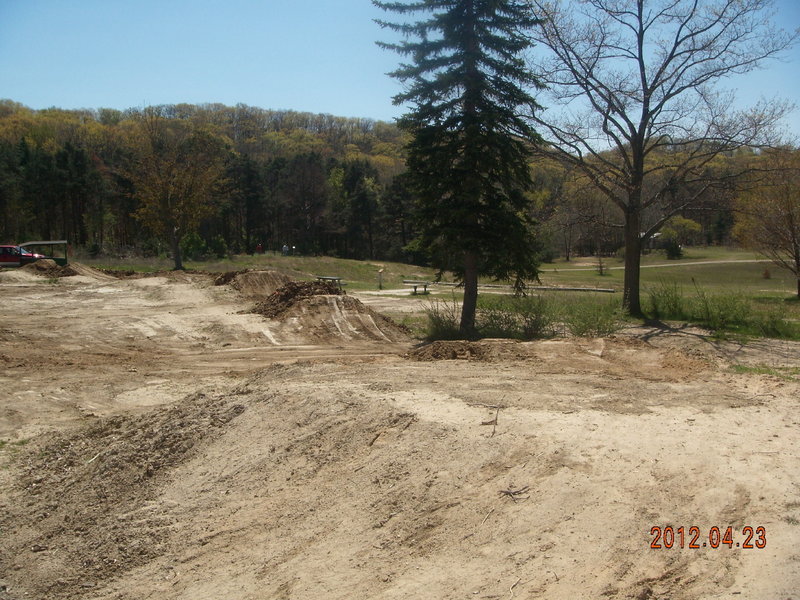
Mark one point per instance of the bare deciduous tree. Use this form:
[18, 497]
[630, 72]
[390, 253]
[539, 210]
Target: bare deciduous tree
[768, 217]
[636, 103]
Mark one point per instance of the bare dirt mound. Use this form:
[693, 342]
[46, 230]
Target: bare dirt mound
[283, 299]
[48, 268]
[254, 284]
[331, 318]
[86, 493]
[320, 312]
[451, 350]
[86, 271]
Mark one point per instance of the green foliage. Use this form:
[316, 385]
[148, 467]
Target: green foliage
[673, 249]
[468, 158]
[247, 174]
[773, 324]
[666, 301]
[538, 316]
[193, 247]
[592, 318]
[217, 247]
[497, 323]
[680, 229]
[443, 320]
[519, 317]
[528, 318]
[787, 373]
[720, 311]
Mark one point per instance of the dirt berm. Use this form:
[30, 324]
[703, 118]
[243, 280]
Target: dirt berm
[320, 312]
[156, 442]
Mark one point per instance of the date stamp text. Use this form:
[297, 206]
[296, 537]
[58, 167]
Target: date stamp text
[747, 538]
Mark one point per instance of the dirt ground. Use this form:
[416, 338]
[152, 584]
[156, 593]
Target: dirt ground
[158, 439]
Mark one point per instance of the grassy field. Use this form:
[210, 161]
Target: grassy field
[358, 275]
[712, 278]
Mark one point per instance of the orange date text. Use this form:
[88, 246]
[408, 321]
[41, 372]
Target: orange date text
[748, 538]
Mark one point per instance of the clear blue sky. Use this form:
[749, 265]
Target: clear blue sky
[307, 55]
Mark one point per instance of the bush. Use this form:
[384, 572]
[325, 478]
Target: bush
[497, 323]
[592, 318]
[673, 250]
[721, 311]
[525, 318]
[444, 319]
[217, 247]
[193, 247]
[666, 301]
[772, 324]
[539, 318]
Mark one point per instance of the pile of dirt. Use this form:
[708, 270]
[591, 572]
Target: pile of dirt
[48, 268]
[333, 318]
[451, 350]
[83, 493]
[252, 283]
[284, 298]
[125, 273]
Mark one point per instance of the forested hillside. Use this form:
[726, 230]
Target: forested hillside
[224, 179]
[227, 178]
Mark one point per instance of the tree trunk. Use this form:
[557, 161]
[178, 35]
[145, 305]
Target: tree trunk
[797, 270]
[176, 249]
[470, 304]
[633, 258]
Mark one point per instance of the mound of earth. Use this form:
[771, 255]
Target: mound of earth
[86, 493]
[92, 273]
[284, 298]
[48, 268]
[254, 284]
[329, 318]
[320, 312]
[450, 350]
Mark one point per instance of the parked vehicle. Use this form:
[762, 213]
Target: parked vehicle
[16, 256]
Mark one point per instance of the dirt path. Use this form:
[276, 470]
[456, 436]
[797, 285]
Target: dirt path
[159, 443]
[681, 263]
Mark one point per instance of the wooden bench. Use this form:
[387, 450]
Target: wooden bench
[416, 284]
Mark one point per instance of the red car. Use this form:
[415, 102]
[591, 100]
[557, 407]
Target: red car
[14, 256]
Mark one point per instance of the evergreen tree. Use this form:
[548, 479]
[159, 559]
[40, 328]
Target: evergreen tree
[468, 156]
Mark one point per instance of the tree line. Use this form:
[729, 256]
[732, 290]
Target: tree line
[234, 178]
[322, 184]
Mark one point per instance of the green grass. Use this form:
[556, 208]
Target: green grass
[787, 373]
[732, 297]
[5, 444]
[358, 275]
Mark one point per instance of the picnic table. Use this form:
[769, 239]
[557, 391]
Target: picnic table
[336, 280]
[416, 284]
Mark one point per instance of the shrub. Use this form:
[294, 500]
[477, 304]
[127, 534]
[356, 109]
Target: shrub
[444, 319]
[666, 301]
[592, 318]
[772, 324]
[539, 317]
[193, 247]
[497, 322]
[217, 247]
[721, 311]
[673, 250]
[524, 318]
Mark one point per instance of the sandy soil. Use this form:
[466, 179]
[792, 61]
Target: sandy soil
[159, 441]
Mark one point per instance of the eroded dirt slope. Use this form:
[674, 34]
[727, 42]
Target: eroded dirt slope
[170, 465]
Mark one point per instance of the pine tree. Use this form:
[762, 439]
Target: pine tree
[468, 158]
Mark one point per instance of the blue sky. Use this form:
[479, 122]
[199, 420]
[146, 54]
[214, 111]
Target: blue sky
[307, 55]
